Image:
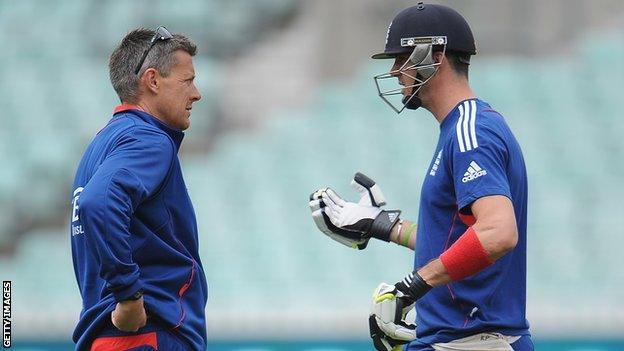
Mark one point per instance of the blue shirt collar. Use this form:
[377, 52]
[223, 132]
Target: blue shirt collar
[175, 134]
[451, 118]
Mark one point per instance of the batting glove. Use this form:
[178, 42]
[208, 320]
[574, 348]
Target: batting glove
[345, 237]
[391, 304]
[353, 224]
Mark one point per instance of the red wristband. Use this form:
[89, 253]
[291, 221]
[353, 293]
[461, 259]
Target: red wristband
[465, 257]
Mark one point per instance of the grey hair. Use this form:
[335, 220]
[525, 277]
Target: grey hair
[126, 57]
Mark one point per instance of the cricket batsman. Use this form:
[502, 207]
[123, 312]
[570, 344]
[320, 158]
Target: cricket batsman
[470, 240]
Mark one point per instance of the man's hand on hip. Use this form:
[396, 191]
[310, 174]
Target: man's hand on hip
[129, 316]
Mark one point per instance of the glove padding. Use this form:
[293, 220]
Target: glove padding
[388, 327]
[371, 198]
[345, 237]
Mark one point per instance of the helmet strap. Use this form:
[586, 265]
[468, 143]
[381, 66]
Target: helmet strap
[412, 102]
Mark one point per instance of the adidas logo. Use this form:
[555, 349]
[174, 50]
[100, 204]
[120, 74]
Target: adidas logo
[474, 172]
[392, 216]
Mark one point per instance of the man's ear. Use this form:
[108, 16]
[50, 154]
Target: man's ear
[438, 56]
[150, 80]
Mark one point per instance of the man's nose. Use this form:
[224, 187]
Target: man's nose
[196, 94]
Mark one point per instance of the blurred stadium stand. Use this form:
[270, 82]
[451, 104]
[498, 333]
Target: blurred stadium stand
[273, 126]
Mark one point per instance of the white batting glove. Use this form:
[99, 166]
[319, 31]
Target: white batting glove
[388, 326]
[349, 223]
[347, 238]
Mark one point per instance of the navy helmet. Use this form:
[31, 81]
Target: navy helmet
[419, 31]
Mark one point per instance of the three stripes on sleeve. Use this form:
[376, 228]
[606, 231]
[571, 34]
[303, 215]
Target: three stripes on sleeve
[465, 128]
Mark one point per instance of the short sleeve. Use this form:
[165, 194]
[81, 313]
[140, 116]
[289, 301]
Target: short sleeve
[479, 163]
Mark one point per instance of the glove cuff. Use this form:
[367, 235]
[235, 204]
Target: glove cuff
[383, 224]
[413, 286]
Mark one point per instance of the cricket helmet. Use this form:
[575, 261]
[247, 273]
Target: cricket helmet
[419, 31]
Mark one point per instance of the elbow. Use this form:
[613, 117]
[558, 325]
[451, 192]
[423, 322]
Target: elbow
[497, 240]
[507, 241]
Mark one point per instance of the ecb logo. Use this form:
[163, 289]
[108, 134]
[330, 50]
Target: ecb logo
[76, 229]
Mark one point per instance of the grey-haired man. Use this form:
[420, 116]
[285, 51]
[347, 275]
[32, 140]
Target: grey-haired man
[134, 233]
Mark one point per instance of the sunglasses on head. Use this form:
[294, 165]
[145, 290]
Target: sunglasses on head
[162, 34]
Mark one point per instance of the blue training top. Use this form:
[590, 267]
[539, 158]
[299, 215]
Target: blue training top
[133, 227]
[476, 156]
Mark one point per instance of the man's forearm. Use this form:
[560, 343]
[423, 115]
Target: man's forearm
[434, 273]
[486, 245]
[404, 234]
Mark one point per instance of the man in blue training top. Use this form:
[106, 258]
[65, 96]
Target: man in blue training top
[133, 229]
[469, 281]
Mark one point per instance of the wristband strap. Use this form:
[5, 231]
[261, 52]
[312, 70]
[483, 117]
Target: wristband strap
[399, 231]
[137, 295]
[414, 286]
[407, 236]
[383, 224]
